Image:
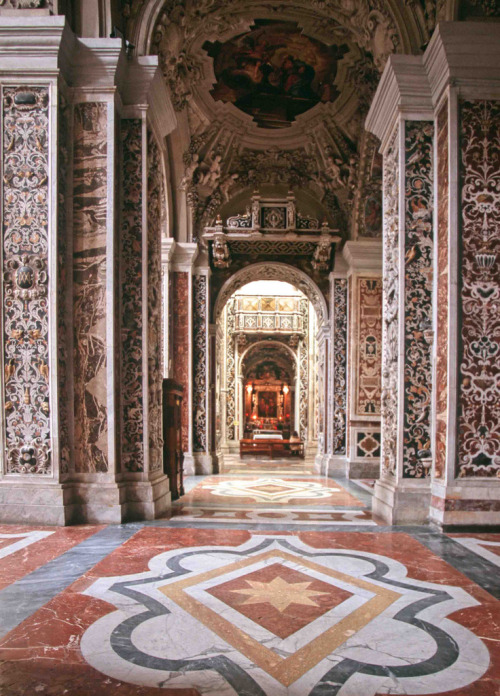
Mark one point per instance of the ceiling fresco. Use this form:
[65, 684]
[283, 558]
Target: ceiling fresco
[275, 72]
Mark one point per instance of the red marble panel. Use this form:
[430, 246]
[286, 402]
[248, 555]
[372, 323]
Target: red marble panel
[180, 344]
[369, 347]
[18, 564]
[441, 380]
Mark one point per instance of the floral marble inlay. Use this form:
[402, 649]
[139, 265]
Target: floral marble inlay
[340, 286]
[89, 286]
[200, 364]
[390, 322]
[418, 297]
[25, 219]
[369, 347]
[131, 328]
[479, 425]
[441, 379]
[180, 344]
[156, 214]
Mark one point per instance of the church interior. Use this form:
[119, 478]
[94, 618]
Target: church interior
[250, 344]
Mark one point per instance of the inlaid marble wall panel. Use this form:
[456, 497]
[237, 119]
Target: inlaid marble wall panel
[180, 344]
[63, 284]
[340, 289]
[132, 300]
[304, 372]
[479, 396]
[368, 343]
[230, 371]
[89, 286]
[365, 443]
[390, 311]
[200, 363]
[25, 247]
[441, 383]
[418, 297]
[155, 211]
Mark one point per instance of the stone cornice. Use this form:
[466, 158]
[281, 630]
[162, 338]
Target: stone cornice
[403, 91]
[97, 63]
[31, 44]
[183, 256]
[364, 255]
[465, 54]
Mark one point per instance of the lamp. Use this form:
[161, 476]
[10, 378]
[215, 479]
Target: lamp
[286, 389]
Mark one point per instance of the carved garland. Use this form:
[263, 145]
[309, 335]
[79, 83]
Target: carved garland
[340, 286]
[25, 291]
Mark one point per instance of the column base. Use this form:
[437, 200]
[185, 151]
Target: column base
[360, 469]
[35, 503]
[147, 500]
[205, 463]
[335, 465]
[401, 502]
[80, 502]
[188, 464]
[465, 504]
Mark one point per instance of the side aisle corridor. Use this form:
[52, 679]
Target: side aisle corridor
[267, 580]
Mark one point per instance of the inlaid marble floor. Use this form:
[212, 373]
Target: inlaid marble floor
[251, 599]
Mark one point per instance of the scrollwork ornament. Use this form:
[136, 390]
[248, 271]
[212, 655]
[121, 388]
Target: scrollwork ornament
[25, 296]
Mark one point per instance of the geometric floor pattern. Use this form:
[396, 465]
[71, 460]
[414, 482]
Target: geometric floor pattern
[250, 589]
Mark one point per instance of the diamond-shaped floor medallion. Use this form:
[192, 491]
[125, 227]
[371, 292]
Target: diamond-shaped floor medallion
[285, 595]
[281, 599]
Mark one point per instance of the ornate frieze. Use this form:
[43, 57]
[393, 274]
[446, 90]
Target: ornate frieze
[156, 214]
[368, 342]
[25, 223]
[132, 301]
[418, 298]
[200, 362]
[441, 373]
[340, 287]
[479, 391]
[89, 286]
[389, 402]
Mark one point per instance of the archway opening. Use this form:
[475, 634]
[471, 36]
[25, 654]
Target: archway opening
[266, 365]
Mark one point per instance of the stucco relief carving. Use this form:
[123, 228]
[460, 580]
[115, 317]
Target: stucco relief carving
[230, 371]
[25, 282]
[390, 311]
[303, 354]
[479, 390]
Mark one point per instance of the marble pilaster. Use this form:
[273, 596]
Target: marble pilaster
[401, 115]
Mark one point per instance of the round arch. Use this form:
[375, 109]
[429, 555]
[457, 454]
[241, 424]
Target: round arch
[266, 342]
[274, 271]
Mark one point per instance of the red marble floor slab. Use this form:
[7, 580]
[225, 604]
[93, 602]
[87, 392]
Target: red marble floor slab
[210, 491]
[42, 656]
[18, 564]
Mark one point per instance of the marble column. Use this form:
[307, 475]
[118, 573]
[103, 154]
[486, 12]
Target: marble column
[336, 461]
[147, 117]
[466, 473]
[181, 307]
[203, 453]
[401, 116]
[364, 260]
[34, 430]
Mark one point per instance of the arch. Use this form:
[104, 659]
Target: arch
[266, 342]
[274, 271]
